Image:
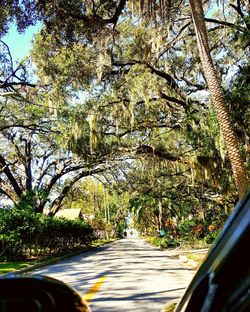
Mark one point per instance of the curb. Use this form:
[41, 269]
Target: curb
[52, 261]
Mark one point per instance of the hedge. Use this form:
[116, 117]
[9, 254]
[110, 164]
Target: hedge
[25, 234]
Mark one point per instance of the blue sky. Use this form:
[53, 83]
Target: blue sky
[20, 44]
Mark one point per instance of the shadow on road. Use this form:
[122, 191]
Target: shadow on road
[139, 277]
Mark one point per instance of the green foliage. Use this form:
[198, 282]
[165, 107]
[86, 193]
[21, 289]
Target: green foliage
[185, 229]
[170, 307]
[125, 101]
[159, 242]
[22, 12]
[108, 206]
[139, 204]
[27, 234]
[211, 237]
[238, 100]
[28, 200]
[193, 230]
[163, 242]
[6, 267]
[60, 65]
[196, 226]
[122, 226]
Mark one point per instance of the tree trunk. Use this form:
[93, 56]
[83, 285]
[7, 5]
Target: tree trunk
[57, 203]
[5, 169]
[214, 87]
[28, 165]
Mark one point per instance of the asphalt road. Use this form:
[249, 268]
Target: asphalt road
[126, 275]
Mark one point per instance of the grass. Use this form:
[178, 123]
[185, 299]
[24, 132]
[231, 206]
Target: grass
[194, 244]
[7, 267]
[179, 244]
[100, 242]
[196, 257]
[170, 307]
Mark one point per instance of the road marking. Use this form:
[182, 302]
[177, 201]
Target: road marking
[94, 289]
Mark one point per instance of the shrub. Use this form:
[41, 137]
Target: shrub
[185, 229]
[24, 233]
[163, 242]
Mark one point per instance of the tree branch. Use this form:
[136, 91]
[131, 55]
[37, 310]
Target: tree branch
[228, 24]
[8, 50]
[174, 100]
[167, 77]
[57, 203]
[92, 19]
[5, 84]
[118, 11]
[7, 192]
[237, 8]
[146, 149]
[5, 167]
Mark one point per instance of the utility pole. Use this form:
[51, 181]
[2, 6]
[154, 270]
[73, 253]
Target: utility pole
[105, 202]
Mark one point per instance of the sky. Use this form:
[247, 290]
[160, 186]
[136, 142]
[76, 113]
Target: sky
[20, 44]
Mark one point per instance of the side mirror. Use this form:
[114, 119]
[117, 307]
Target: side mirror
[35, 293]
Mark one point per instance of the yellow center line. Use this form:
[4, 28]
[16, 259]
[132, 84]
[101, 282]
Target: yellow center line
[94, 289]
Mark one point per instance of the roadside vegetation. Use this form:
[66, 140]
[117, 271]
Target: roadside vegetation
[170, 307]
[195, 228]
[196, 257]
[113, 112]
[7, 267]
[25, 235]
[191, 234]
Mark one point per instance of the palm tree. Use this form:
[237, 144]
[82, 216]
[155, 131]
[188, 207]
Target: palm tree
[229, 137]
[214, 87]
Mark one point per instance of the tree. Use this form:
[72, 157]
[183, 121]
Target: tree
[14, 78]
[137, 85]
[33, 164]
[101, 198]
[132, 69]
[33, 170]
[87, 194]
[230, 139]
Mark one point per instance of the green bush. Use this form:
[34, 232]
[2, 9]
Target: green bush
[185, 229]
[12, 248]
[210, 238]
[27, 234]
[15, 233]
[160, 242]
[163, 242]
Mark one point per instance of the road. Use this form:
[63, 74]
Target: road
[126, 275]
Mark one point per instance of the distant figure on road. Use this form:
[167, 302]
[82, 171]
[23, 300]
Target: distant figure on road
[125, 234]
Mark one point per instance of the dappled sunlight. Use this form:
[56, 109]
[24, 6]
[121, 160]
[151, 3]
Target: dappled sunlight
[138, 277]
[121, 120]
